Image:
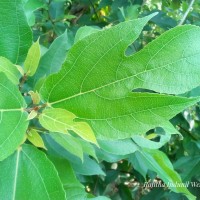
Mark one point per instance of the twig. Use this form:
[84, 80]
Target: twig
[22, 81]
[94, 10]
[188, 132]
[186, 13]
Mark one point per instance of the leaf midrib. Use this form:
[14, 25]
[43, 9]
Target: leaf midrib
[16, 173]
[144, 110]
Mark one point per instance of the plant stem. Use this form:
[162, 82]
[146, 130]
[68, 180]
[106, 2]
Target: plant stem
[188, 132]
[94, 10]
[186, 13]
[23, 80]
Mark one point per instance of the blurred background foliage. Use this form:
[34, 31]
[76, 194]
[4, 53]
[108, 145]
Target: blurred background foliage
[56, 22]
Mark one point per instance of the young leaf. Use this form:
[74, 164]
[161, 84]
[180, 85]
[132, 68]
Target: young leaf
[29, 174]
[96, 84]
[35, 97]
[16, 34]
[62, 121]
[32, 115]
[13, 118]
[32, 59]
[34, 137]
[53, 59]
[10, 70]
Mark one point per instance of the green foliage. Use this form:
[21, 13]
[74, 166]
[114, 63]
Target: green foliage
[94, 112]
[16, 33]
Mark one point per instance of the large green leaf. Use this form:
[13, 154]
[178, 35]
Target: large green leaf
[13, 118]
[16, 34]
[96, 83]
[29, 175]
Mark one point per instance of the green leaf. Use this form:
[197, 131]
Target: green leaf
[10, 70]
[16, 34]
[29, 174]
[30, 6]
[62, 121]
[34, 137]
[69, 143]
[158, 162]
[188, 167]
[84, 32]
[35, 97]
[73, 188]
[146, 143]
[87, 148]
[96, 84]
[87, 167]
[13, 118]
[32, 59]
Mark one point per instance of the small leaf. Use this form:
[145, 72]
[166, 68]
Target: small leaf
[20, 69]
[32, 115]
[29, 175]
[151, 136]
[84, 32]
[32, 59]
[10, 70]
[62, 121]
[35, 97]
[53, 59]
[34, 137]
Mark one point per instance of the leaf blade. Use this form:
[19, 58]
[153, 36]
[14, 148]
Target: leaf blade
[17, 36]
[32, 59]
[40, 179]
[13, 118]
